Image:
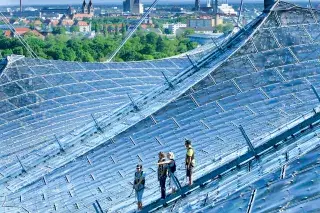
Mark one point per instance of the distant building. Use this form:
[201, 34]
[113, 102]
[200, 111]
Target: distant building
[84, 7]
[47, 10]
[197, 5]
[148, 20]
[226, 9]
[26, 14]
[112, 28]
[87, 9]
[137, 7]
[37, 23]
[30, 9]
[174, 27]
[127, 6]
[67, 23]
[56, 13]
[209, 3]
[204, 24]
[22, 31]
[51, 23]
[81, 16]
[133, 6]
[84, 27]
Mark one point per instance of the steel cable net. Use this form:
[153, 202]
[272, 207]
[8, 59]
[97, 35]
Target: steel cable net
[258, 79]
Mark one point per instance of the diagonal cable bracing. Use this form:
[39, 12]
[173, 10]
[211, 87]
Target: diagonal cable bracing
[114, 122]
[132, 31]
[240, 13]
[23, 42]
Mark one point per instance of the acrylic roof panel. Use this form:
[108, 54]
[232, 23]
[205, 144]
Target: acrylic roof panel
[277, 183]
[261, 84]
[32, 89]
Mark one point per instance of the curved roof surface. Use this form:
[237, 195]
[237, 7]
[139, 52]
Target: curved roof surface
[41, 98]
[259, 78]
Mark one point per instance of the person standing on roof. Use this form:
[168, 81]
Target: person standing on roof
[162, 174]
[171, 165]
[190, 160]
[138, 184]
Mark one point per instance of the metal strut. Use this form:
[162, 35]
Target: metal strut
[167, 80]
[247, 140]
[217, 45]
[240, 12]
[192, 62]
[60, 146]
[99, 206]
[310, 4]
[315, 92]
[97, 124]
[22, 167]
[133, 103]
[132, 31]
[96, 208]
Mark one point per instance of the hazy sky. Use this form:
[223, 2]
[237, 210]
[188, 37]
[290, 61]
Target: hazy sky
[72, 2]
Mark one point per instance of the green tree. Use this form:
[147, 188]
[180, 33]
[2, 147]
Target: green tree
[149, 49]
[151, 38]
[69, 54]
[32, 26]
[123, 29]
[18, 51]
[167, 31]
[188, 31]
[110, 29]
[59, 30]
[116, 29]
[74, 28]
[218, 28]
[142, 46]
[227, 27]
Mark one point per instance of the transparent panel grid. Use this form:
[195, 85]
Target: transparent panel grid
[272, 58]
[289, 36]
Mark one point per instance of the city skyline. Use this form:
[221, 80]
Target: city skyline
[40, 2]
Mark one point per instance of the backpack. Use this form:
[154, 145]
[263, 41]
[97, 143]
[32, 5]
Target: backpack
[139, 182]
[174, 167]
[162, 170]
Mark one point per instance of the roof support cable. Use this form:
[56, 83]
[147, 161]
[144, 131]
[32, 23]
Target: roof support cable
[310, 4]
[217, 45]
[96, 124]
[133, 103]
[250, 145]
[239, 15]
[315, 92]
[23, 42]
[99, 206]
[312, 12]
[22, 167]
[132, 31]
[167, 80]
[251, 201]
[192, 62]
[58, 142]
[20, 38]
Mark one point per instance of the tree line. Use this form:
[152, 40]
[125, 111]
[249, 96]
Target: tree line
[142, 46]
